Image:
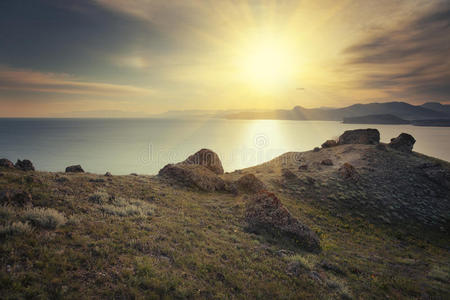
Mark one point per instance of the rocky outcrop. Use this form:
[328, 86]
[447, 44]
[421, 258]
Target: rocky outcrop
[206, 158]
[329, 144]
[108, 174]
[360, 136]
[265, 212]
[24, 165]
[74, 169]
[15, 197]
[404, 142]
[6, 163]
[347, 171]
[249, 183]
[195, 176]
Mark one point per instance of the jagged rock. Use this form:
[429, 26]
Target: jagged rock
[265, 212]
[24, 165]
[348, 171]
[250, 183]
[360, 136]
[74, 169]
[329, 144]
[206, 158]
[6, 163]
[316, 149]
[193, 175]
[404, 142]
[288, 174]
[15, 197]
[327, 162]
[108, 174]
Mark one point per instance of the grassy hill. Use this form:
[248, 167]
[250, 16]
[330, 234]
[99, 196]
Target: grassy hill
[384, 233]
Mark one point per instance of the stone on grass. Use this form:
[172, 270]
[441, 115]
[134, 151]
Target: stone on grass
[6, 163]
[74, 169]
[360, 136]
[265, 212]
[404, 142]
[329, 144]
[327, 162]
[249, 183]
[24, 165]
[347, 171]
[206, 158]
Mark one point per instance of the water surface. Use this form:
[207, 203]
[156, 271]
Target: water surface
[124, 146]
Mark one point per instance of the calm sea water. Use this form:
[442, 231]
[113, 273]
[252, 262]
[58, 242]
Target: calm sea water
[124, 146]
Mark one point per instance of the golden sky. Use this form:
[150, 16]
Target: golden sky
[149, 56]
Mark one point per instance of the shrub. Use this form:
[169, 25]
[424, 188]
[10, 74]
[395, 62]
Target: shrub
[122, 211]
[306, 261]
[15, 228]
[47, 218]
[99, 197]
[6, 212]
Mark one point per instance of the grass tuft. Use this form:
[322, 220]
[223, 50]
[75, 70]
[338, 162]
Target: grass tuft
[47, 218]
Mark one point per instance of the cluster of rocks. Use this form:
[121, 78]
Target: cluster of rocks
[404, 142]
[264, 211]
[24, 165]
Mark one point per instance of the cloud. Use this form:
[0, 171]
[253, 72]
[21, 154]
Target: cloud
[411, 60]
[32, 81]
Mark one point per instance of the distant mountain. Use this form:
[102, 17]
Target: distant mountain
[400, 109]
[436, 106]
[376, 119]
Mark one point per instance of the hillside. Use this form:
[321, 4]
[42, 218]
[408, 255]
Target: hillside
[375, 119]
[380, 212]
[400, 109]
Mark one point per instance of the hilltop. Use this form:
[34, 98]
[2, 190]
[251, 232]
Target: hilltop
[354, 218]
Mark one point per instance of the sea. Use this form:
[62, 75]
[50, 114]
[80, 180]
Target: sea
[144, 146]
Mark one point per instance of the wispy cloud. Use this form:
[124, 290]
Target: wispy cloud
[32, 81]
[411, 60]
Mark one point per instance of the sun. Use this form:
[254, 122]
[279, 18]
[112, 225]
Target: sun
[268, 64]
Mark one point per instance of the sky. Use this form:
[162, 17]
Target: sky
[142, 57]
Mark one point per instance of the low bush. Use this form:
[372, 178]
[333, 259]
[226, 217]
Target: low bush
[15, 228]
[47, 218]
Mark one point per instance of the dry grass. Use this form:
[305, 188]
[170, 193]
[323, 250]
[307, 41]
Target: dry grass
[47, 218]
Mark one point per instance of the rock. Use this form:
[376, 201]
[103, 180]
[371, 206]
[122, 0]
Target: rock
[327, 162]
[74, 169]
[360, 136]
[6, 163]
[316, 149]
[265, 212]
[24, 165]
[303, 167]
[134, 174]
[250, 183]
[404, 142]
[193, 175]
[206, 158]
[329, 144]
[288, 174]
[108, 174]
[347, 171]
[14, 197]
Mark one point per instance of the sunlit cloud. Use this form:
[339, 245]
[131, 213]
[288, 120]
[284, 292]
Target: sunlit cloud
[32, 81]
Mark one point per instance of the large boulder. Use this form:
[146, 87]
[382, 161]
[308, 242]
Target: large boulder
[348, 171]
[249, 183]
[24, 165]
[6, 163]
[329, 144]
[360, 136]
[404, 142]
[206, 158]
[265, 212]
[74, 169]
[192, 175]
